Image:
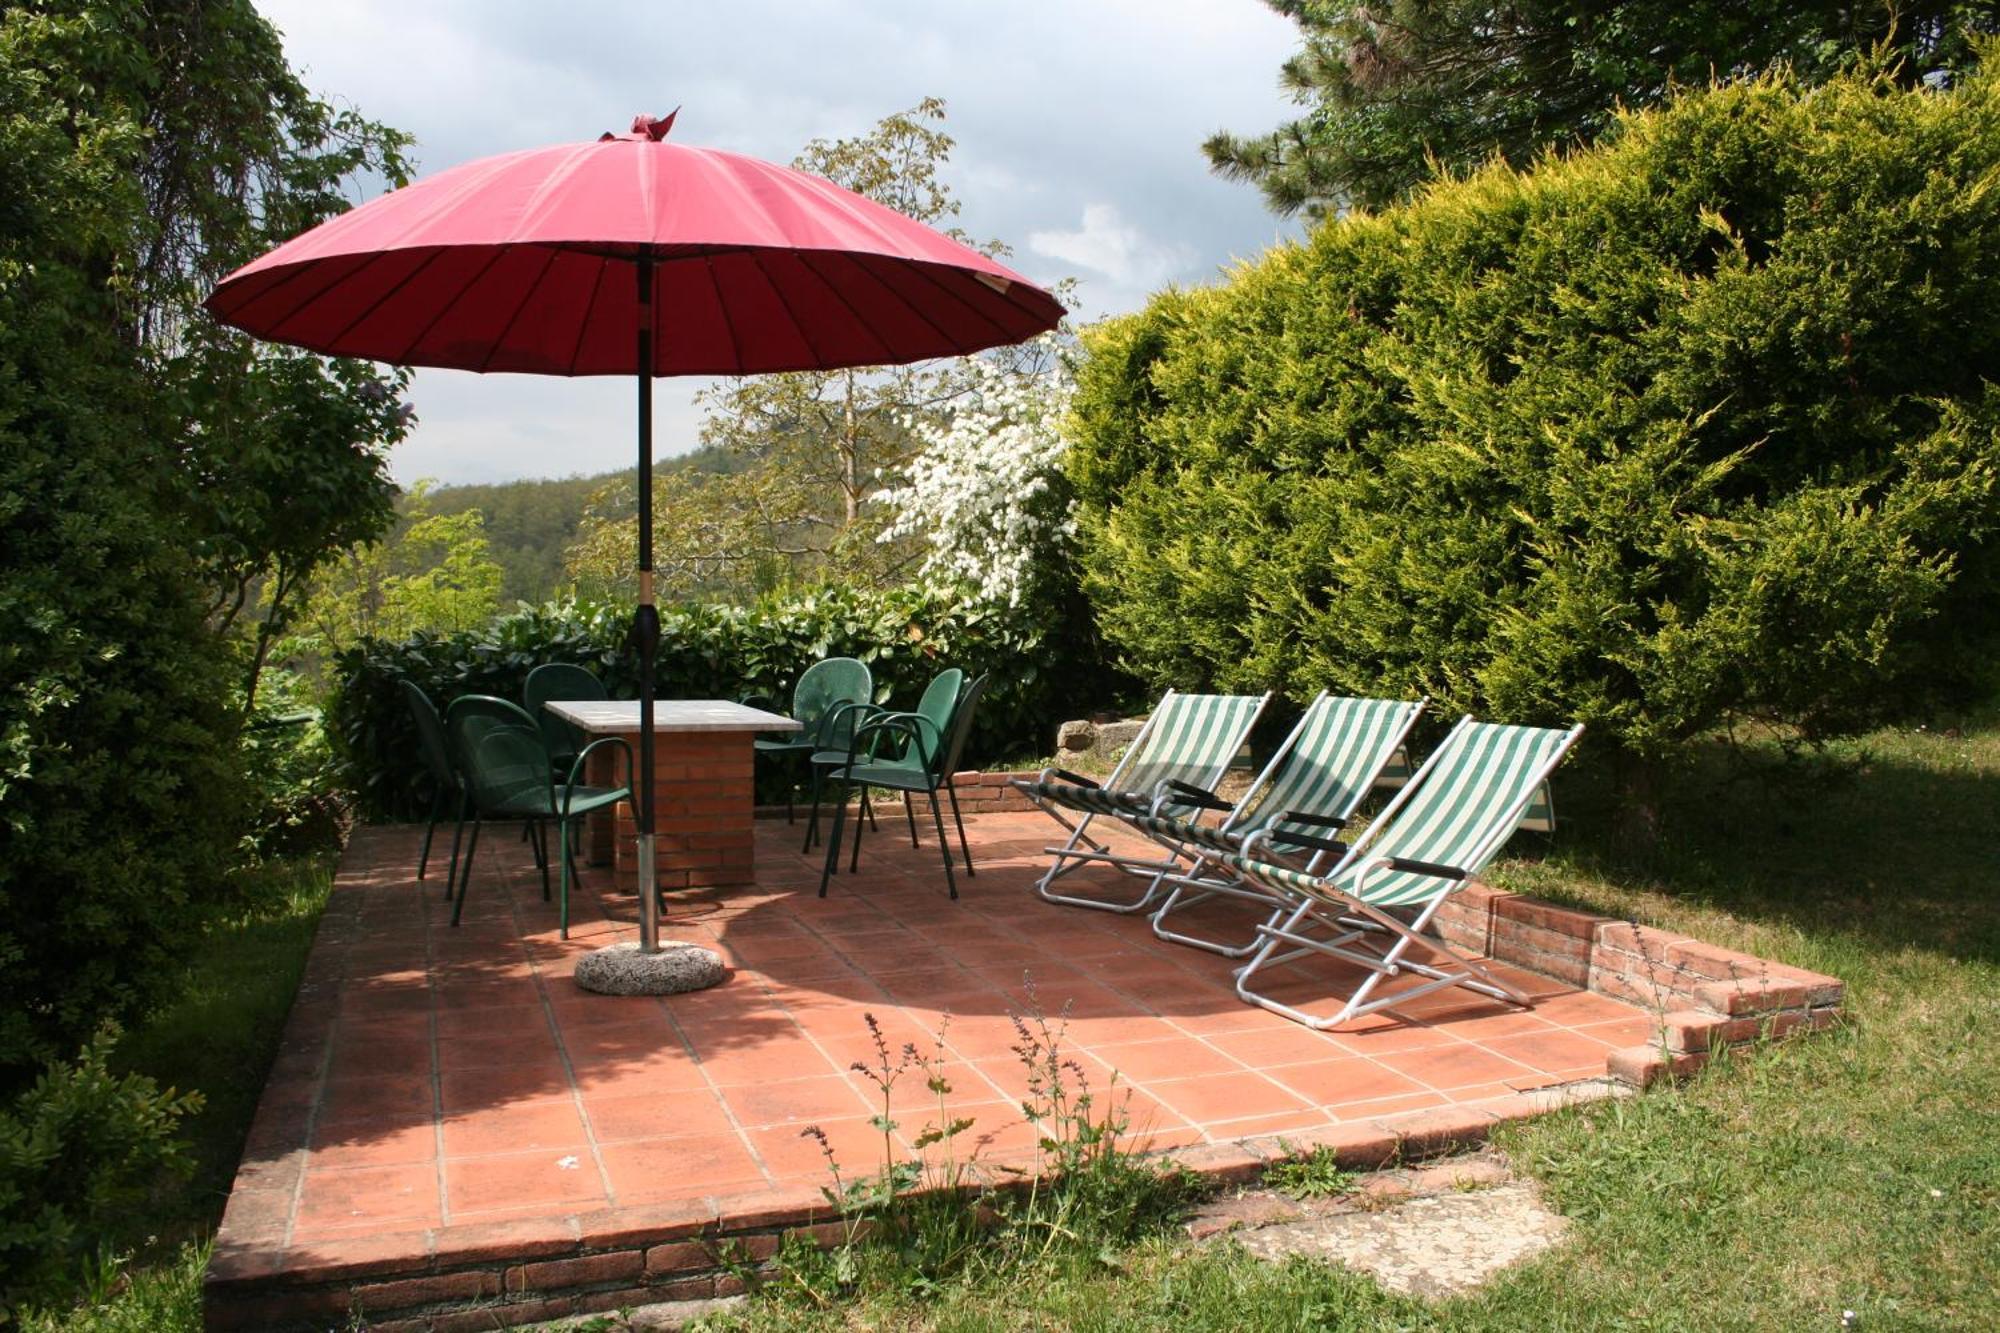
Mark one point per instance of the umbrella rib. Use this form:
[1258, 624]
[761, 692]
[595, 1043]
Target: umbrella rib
[499, 253]
[386, 296]
[589, 309]
[728, 324]
[304, 271]
[500, 339]
[923, 271]
[819, 361]
[841, 297]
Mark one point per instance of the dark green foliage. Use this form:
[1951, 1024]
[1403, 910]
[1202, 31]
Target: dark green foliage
[76, 1148]
[1043, 669]
[117, 798]
[1392, 90]
[1689, 428]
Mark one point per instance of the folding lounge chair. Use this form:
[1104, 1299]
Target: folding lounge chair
[1440, 831]
[1182, 751]
[1333, 758]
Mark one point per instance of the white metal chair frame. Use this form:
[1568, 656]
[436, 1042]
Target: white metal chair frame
[1210, 877]
[1069, 857]
[1353, 919]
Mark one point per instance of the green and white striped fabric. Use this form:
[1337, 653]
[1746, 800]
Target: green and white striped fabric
[1192, 738]
[1341, 746]
[1465, 803]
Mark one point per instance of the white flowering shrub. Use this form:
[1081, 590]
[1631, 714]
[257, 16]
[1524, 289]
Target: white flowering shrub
[981, 494]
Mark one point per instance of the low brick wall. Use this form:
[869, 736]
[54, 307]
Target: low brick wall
[978, 792]
[1705, 997]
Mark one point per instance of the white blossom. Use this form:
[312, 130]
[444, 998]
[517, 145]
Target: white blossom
[977, 493]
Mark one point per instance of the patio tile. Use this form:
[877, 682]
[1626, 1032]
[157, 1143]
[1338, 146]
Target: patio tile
[1176, 1057]
[357, 1143]
[795, 1101]
[376, 1098]
[368, 1196]
[557, 1179]
[1225, 1097]
[1332, 1083]
[1553, 1049]
[656, 1115]
[537, 1078]
[515, 1128]
[1461, 1065]
[651, 1170]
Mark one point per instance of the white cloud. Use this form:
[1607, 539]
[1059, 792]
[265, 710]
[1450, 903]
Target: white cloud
[1109, 245]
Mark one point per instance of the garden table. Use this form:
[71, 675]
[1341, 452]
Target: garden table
[704, 794]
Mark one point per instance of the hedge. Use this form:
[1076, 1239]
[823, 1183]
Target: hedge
[1692, 427]
[1045, 668]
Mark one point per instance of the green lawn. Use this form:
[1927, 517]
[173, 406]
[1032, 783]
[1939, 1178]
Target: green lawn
[1857, 1169]
[219, 1037]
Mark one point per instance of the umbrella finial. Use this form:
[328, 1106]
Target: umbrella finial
[654, 129]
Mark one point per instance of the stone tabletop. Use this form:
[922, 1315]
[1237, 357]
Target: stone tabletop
[622, 716]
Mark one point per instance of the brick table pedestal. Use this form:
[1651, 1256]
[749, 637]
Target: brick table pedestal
[703, 788]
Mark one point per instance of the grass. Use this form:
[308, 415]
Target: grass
[1856, 1170]
[219, 1037]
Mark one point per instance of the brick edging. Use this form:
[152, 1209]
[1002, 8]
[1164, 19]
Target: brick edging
[500, 1274]
[1703, 997]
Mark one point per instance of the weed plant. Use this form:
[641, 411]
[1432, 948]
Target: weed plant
[941, 1216]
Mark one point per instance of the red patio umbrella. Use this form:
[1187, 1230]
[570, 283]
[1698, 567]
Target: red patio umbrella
[631, 256]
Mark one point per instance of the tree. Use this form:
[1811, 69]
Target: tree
[1393, 90]
[1691, 429]
[147, 460]
[985, 495]
[436, 574]
[810, 449]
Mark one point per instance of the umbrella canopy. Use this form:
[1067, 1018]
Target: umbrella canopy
[631, 256]
[523, 262]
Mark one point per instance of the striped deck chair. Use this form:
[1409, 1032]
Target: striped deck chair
[1186, 746]
[1440, 831]
[1335, 756]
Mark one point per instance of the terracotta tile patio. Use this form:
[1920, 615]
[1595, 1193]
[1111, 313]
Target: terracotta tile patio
[465, 1079]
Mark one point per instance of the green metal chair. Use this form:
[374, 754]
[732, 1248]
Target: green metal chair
[924, 748]
[820, 702]
[509, 776]
[445, 784]
[559, 680]
[1441, 830]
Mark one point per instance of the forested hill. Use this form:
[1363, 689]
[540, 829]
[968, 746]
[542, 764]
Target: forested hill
[531, 523]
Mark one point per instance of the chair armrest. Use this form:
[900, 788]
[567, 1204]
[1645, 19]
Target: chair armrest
[829, 721]
[1334, 845]
[763, 701]
[1315, 821]
[889, 724]
[1186, 793]
[1074, 779]
[1424, 867]
[576, 768]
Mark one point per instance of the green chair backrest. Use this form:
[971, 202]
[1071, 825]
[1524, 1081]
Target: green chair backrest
[1460, 808]
[1190, 738]
[498, 749]
[961, 726]
[1340, 745]
[937, 707]
[559, 680]
[431, 741]
[821, 690]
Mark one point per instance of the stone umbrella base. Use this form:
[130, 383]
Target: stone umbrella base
[620, 969]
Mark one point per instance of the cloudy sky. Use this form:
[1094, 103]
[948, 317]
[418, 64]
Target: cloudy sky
[1079, 124]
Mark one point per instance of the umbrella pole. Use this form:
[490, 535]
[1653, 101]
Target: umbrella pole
[646, 622]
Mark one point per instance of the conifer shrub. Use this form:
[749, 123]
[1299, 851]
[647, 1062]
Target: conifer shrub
[1693, 427]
